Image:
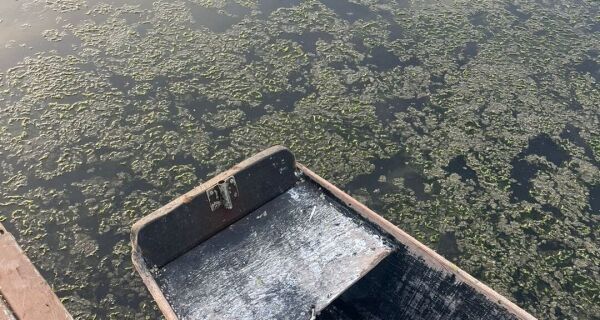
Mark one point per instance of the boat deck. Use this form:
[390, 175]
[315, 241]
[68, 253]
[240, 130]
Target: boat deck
[296, 253]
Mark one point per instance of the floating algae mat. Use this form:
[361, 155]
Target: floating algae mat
[471, 125]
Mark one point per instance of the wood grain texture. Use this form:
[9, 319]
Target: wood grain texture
[22, 287]
[298, 251]
[5, 312]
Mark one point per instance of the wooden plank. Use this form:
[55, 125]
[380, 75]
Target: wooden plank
[5, 312]
[23, 287]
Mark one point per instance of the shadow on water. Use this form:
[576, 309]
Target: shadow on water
[595, 199]
[447, 246]
[523, 171]
[467, 53]
[517, 12]
[479, 18]
[349, 10]
[284, 101]
[123, 83]
[386, 110]
[383, 59]
[459, 166]
[571, 133]
[543, 145]
[591, 67]
[381, 180]
[554, 211]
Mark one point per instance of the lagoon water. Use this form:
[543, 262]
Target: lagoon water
[474, 126]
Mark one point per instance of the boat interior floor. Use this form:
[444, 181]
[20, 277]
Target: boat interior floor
[305, 255]
[287, 259]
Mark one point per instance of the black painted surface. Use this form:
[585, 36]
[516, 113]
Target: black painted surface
[404, 287]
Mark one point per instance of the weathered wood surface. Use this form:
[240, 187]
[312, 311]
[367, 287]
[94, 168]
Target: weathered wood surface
[23, 288]
[298, 251]
[5, 312]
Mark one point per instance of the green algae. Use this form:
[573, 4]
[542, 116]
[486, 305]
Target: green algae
[65, 5]
[151, 101]
[53, 34]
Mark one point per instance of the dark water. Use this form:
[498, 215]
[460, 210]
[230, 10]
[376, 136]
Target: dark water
[473, 126]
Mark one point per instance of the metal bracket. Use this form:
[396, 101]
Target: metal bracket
[222, 194]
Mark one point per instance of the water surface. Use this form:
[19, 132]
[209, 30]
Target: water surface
[473, 126]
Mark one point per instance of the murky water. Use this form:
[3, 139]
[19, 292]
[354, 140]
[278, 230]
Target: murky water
[473, 126]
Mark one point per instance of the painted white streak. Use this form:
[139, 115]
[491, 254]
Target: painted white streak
[312, 213]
